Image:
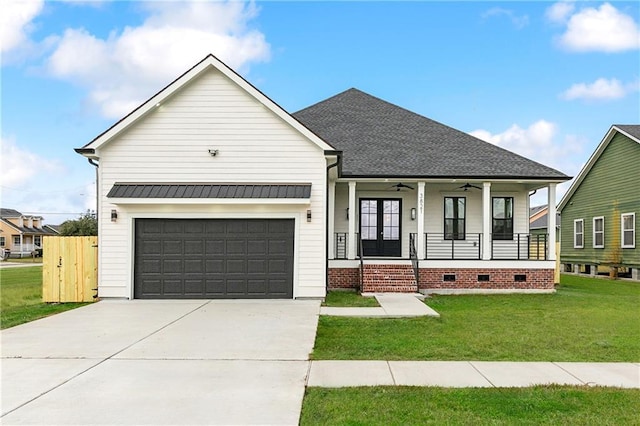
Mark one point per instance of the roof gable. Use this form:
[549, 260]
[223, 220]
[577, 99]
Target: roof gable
[381, 139]
[632, 131]
[175, 86]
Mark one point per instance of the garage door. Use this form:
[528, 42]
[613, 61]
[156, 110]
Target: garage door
[213, 258]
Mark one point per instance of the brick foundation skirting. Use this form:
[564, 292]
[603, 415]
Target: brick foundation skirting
[344, 278]
[534, 279]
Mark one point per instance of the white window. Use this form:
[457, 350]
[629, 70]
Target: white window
[628, 231]
[578, 233]
[598, 232]
[16, 240]
[37, 240]
[2, 242]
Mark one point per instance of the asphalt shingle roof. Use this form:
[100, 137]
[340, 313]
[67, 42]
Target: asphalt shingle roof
[380, 139]
[632, 129]
[9, 213]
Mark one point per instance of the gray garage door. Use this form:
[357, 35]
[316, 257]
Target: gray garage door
[213, 259]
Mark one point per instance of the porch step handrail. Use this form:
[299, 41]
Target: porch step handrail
[361, 262]
[413, 255]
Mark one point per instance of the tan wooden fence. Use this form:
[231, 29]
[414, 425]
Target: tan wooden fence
[69, 269]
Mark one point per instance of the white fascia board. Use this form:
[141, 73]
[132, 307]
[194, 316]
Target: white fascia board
[589, 164]
[209, 61]
[200, 201]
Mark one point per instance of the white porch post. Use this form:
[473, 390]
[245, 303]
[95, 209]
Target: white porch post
[420, 219]
[551, 215]
[331, 211]
[486, 220]
[352, 243]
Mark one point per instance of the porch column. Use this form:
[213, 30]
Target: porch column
[331, 211]
[486, 220]
[353, 212]
[551, 222]
[420, 219]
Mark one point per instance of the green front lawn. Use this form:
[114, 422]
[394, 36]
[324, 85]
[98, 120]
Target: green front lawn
[586, 320]
[21, 297]
[541, 405]
[349, 299]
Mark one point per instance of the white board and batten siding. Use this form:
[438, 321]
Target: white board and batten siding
[171, 144]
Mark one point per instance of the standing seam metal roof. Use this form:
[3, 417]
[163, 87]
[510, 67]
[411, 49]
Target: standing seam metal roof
[162, 190]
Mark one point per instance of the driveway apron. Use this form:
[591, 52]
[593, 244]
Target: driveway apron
[160, 362]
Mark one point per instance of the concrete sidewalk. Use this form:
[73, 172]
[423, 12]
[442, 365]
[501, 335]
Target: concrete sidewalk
[392, 305]
[458, 374]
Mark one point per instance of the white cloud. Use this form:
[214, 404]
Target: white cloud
[604, 29]
[539, 142]
[15, 22]
[518, 21]
[35, 184]
[601, 89]
[127, 67]
[19, 166]
[560, 12]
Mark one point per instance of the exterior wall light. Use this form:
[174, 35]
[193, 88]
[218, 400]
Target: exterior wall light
[114, 215]
[308, 215]
[413, 213]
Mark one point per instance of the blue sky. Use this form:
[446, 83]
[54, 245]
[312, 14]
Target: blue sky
[545, 80]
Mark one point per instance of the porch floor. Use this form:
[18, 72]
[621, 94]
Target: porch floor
[392, 305]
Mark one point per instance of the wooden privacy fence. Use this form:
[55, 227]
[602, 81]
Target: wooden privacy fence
[69, 269]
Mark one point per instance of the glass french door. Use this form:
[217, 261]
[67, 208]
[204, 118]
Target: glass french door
[380, 227]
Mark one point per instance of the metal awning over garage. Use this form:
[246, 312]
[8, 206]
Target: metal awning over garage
[210, 191]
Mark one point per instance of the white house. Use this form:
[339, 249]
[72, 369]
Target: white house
[211, 190]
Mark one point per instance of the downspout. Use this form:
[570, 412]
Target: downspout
[96, 165]
[326, 218]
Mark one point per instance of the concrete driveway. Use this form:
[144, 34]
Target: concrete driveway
[160, 362]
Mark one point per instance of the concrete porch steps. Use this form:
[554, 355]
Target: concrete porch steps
[389, 279]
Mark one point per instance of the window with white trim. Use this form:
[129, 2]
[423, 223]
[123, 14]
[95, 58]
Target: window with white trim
[578, 233]
[628, 230]
[37, 240]
[598, 232]
[16, 240]
[2, 242]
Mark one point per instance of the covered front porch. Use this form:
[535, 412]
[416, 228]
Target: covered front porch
[421, 235]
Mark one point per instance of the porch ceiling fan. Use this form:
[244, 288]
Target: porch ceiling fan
[467, 185]
[399, 186]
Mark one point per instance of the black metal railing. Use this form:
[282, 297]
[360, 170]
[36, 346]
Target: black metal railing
[341, 245]
[519, 246]
[360, 256]
[413, 255]
[442, 246]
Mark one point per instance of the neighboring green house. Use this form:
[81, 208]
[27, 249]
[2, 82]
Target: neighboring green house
[601, 210]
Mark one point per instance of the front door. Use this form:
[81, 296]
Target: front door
[380, 227]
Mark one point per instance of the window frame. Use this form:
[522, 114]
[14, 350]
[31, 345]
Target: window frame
[632, 230]
[3, 241]
[575, 234]
[595, 232]
[456, 236]
[16, 240]
[506, 236]
[37, 238]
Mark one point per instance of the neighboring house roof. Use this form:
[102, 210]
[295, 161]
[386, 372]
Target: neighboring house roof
[53, 228]
[9, 213]
[208, 62]
[632, 131]
[379, 139]
[542, 222]
[25, 229]
[537, 209]
[162, 190]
